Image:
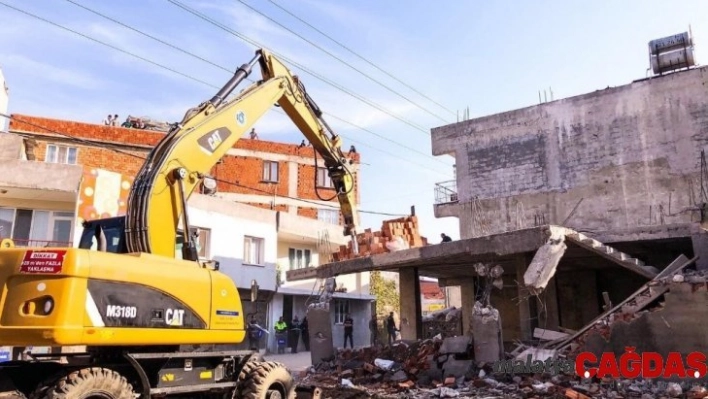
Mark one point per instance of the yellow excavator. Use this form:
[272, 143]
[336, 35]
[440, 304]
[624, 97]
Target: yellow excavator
[156, 324]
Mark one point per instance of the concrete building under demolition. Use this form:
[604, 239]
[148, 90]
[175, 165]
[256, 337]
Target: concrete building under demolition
[584, 203]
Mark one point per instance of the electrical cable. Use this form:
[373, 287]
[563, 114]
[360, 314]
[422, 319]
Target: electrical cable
[361, 57]
[298, 65]
[96, 143]
[250, 80]
[342, 61]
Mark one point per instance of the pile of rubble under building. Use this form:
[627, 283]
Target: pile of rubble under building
[436, 368]
[443, 368]
[396, 234]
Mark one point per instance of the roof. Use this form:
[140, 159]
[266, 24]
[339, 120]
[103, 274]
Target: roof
[431, 290]
[138, 137]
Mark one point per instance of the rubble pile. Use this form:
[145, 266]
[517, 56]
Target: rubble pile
[636, 307]
[436, 368]
[395, 234]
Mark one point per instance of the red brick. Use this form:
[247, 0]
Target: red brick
[238, 174]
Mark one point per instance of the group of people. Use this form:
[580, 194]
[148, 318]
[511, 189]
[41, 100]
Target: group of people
[293, 331]
[112, 120]
[389, 327]
[297, 329]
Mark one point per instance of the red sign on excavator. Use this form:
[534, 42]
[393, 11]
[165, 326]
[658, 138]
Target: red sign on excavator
[42, 262]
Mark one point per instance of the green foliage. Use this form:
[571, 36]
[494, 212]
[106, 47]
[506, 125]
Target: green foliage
[387, 296]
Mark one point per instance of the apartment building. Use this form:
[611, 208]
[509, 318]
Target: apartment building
[274, 184]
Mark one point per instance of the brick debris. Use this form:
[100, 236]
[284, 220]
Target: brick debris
[402, 232]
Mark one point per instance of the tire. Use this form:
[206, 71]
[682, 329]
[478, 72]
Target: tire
[265, 380]
[90, 383]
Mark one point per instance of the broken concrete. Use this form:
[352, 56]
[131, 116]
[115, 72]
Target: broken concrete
[320, 329]
[673, 327]
[487, 330]
[456, 345]
[544, 263]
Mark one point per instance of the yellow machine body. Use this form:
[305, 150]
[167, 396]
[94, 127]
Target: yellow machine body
[65, 297]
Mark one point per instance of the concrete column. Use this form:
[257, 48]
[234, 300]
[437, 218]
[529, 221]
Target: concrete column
[525, 332]
[700, 248]
[467, 304]
[319, 323]
[411, 308]
[548, 315]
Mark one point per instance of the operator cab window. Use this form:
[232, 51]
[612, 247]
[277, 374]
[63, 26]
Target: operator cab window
[112, 230]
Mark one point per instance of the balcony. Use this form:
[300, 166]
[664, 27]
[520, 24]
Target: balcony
[446, 192]
[41, 243]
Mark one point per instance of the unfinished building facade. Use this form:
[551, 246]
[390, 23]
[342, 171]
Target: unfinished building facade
[623, 168]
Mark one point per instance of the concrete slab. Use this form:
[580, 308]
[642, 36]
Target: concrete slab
[446, 260]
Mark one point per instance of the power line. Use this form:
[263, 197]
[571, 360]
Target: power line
[300, 66]
[361, 57]
[108, 45]
[341, 60]
[100, 144]
[250, 80]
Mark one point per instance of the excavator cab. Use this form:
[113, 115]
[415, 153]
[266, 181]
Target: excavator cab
[106, 235]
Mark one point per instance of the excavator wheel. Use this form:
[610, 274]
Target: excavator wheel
[88, 383]
[265, 380]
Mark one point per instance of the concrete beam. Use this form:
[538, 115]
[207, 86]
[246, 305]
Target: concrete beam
[646, 233]
[411, 307]
[463, 251]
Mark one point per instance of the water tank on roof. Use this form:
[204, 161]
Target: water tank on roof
[671, 53]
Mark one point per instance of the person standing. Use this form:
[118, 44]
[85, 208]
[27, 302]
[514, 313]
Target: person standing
[280, 334]
[391, 328]
[305, 331]
[374, 330]
[348, 331]
[254, 334]
[294, 335]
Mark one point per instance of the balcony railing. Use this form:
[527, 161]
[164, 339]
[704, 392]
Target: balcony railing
[41, 243]
[446, 192]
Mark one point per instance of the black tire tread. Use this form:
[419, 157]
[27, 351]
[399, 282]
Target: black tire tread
[79, 382]
[260, 376]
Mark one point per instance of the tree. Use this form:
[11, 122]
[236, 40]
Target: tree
[386, 292]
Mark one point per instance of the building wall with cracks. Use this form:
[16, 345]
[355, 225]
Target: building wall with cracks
[618, 158]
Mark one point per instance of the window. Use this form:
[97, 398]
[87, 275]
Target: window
[341, 309]
[61, 154]
[253, 250]
[203, 241]
[330, 216]
[37, 228]
[323, 179]
[270, 171]
[299, 258]
[7, 217]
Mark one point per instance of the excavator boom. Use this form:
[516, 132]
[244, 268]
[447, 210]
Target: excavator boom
[158, 198]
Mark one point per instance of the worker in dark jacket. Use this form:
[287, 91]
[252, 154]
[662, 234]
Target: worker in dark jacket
[391, 328]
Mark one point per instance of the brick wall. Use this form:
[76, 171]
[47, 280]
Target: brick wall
[245, 171]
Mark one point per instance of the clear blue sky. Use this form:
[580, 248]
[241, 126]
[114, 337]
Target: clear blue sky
[488, 56]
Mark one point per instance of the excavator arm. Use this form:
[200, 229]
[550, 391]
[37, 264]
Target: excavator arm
[158, 198]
